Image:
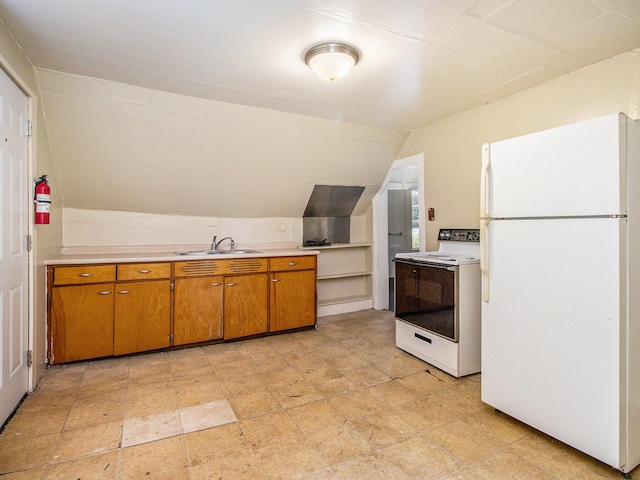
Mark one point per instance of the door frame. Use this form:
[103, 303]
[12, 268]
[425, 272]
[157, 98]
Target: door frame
[381, 229]
[31, 266]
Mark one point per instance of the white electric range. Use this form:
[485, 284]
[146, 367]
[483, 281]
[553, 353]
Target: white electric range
[437, 302]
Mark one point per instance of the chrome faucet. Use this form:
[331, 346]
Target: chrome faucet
[214, 244]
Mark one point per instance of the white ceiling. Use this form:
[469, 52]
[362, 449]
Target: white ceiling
[421, 59]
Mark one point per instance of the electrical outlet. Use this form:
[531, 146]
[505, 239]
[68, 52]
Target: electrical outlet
[282, 228]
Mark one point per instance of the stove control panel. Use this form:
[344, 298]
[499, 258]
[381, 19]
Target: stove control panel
[459, 235]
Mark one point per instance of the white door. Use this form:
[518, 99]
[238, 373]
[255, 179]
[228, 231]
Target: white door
[399, 213]
[13, 252]
[551, 344]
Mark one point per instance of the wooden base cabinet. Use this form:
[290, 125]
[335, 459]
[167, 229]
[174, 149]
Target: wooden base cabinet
[116, 309]
[292, 300]
[81, 322]
[142, 317]
[198, 310]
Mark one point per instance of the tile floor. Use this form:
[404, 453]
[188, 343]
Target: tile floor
[340, 402]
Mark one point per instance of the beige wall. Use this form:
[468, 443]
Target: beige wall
[47, 239]
[452, 146]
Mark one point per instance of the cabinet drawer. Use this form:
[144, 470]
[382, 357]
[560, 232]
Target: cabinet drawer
[84, 274]
[233, 266]
[281, 264]
[144, 271]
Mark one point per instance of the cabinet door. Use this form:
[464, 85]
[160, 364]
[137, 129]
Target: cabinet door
[245, 305]
[142, 316]
[293, 300]
[81, 322]
[197, 315]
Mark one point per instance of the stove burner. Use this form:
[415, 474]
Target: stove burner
[316, 243]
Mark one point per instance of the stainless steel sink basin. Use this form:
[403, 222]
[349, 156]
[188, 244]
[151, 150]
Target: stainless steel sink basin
[216, 252]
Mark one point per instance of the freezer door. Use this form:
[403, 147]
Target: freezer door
[551, 330]
[577, 169]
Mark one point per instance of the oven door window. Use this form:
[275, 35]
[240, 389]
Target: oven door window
[425, 297]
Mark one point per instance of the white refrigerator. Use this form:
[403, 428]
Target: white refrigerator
[560, 261]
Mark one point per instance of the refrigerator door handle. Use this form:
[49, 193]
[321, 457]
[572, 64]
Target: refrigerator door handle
[484, 181]
[484, 257]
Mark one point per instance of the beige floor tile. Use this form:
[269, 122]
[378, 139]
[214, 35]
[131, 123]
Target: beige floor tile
[207, 415]
[419, 458]
[367, 376]
[214, 444]
[102, 466]
[95, 411]
[33, 422]
[108, 373]
[384, 429]
[356, 404]
[270, 429]
[17, 453]
[238, 465]
[136, 431]
[296, 394]
[292, 459]
[268, 362]
[506, 464]
[164, 459]
[316, 416]
[231, 370]
[150, 404]
[242, 385]
[464, 442]
[192, 391]
[33, 474]
[88, 441]
[277, 379]
[370, 467]
[221, 453]
[106, 391]
[424, 383]
[551, 455]
[152, 372]
[498, 425]
[392, 393]
[254, 405]
[399, 367]
[346, 362]
[333, 383]
[424, 414]
[340, 443]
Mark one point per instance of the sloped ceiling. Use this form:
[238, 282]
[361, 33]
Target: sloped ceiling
[121, 81]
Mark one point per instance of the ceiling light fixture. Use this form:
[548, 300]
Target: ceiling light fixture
[331, 60]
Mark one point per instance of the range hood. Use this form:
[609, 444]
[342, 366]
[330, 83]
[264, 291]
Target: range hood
[327, 217]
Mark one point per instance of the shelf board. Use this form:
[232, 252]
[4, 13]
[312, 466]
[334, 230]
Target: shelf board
[338, 300]
[339, 245]
[345, 275]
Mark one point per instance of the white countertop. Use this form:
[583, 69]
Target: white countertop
[169, 256]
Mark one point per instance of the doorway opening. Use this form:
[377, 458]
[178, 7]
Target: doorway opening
[398, 223]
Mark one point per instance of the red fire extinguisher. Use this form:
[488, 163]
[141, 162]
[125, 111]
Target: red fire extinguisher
[42, 201]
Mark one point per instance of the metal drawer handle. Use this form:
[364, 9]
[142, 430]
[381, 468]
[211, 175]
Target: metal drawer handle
[216, 284]
[144, 271]
[124, 292]
[231, 284]
[85, 274]
[293, 264]
[275, 280]
[104, 292]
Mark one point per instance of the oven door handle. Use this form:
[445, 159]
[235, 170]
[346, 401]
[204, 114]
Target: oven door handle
[427, 265]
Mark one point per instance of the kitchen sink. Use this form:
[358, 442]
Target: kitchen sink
[216, 252]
